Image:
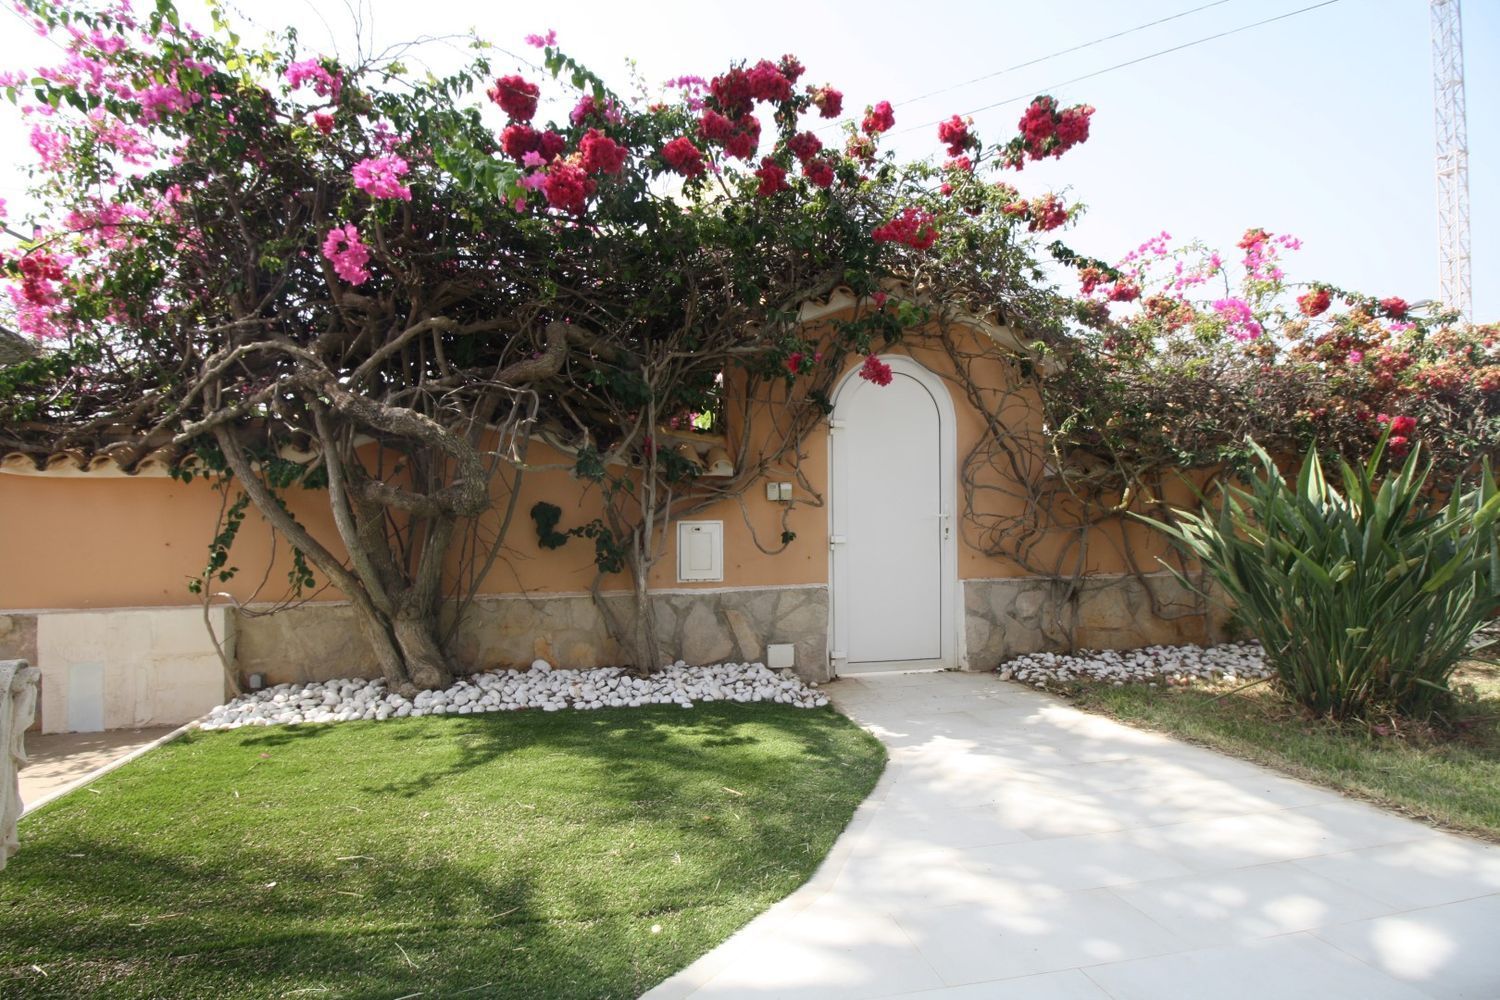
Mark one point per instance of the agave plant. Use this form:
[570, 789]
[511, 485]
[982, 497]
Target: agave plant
[1364, 598]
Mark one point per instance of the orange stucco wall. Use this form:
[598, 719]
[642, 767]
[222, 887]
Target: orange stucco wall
[89, 542]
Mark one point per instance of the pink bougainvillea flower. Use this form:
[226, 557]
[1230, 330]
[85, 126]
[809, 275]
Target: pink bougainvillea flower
[683, 157]
[348, 255]
[878, 119]
[380, 177]
[542, 41]
[516, 96]
[1239, 320]
[1355, 357]
[875, 370]
[325, 82]
[912, 226]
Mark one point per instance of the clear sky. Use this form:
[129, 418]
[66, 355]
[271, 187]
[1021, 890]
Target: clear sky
[1319, 125]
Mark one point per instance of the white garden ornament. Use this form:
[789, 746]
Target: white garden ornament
[18, 689]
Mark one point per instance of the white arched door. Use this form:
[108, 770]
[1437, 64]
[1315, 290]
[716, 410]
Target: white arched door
[891, 523]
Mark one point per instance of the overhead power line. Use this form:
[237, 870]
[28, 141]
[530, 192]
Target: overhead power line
[1062, 52]
[1130, 62]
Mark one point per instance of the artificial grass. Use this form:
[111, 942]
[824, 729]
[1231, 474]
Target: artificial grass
[1448, 774]
[517, 854]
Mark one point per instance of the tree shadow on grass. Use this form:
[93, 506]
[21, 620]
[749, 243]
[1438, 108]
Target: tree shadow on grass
[443, 881]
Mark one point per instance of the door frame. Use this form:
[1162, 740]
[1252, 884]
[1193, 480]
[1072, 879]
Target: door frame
[950, 609]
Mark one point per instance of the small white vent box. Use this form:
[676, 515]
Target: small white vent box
[700, 551]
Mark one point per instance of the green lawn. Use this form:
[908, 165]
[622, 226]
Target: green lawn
[518, 854]
[1449, 776]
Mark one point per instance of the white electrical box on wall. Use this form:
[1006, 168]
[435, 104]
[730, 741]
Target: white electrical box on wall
[700, 551]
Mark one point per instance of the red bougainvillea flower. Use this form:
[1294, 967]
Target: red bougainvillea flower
[518, 140]
[954, 132]
[1399, 425]
[714, 127]
[324, 122]
[792, 68]
[794, 361]
[1037, 123]
[1073, 126]
[804, 146]
[38, 272]
[550, 145]
[743, 142]
[772, 178]
[1398, 445]
[828, 101]
[1253, 238]
[768, 83]
[1090, 278]
[731, 91]
[1124, 290]
[879, 298]
[380, 177]
[1019, 208]
[1395, 307]
[347, 254]
[878, 119]
[1315, 302]
[819, 171]
[601, 154]
[682, 156]
[861, 147]
[912, 226]
[567, 187]
[875, 370]
[1046, 131]
[516, 97]
[962, 163]
[1047, 213]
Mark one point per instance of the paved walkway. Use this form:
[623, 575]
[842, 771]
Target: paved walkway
[61, 760]
[1017, 848]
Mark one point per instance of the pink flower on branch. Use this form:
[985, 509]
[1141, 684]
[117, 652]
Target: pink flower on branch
[347, 254]
[380, 177]
[325, 83]
[1239, 321]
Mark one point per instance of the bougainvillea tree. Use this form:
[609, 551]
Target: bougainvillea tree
[288, 271]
